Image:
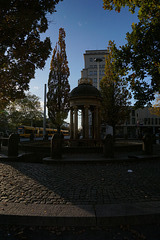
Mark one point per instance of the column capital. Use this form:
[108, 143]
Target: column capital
[86, 106]
[75, 107]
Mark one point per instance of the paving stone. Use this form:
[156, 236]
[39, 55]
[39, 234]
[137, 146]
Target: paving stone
[43, 214]
[80, 183]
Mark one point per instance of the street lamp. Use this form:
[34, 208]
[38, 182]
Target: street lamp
[44, 117]
[98, 60]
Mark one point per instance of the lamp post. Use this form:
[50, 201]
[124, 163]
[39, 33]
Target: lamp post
[44, 117]
[98, 60]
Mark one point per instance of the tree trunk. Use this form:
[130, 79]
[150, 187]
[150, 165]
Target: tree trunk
[58, 129]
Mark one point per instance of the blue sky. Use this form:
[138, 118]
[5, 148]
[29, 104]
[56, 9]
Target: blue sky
[88, 27]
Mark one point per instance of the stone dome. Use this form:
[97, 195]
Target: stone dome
[84, 90]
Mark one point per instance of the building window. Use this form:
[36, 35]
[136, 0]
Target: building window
[149, 121]
[90, 73]
[145, 121]
[95, 66]
[156, 121]
[128, 121]
[91, 66]
[152, 121]
[133, 121]
[95, 72]
[95, 80]
[91, 59]
[133, 113]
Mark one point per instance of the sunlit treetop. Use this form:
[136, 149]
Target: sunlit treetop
[147, 9]
[141, 53]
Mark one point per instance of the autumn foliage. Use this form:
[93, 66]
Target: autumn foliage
[58, 85]
[114, 91]
[22, 50]
[141, 53]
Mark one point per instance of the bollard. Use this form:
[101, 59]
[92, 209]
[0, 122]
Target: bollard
[108, 147]
[56, 146]
[13, 142]
[148, 144]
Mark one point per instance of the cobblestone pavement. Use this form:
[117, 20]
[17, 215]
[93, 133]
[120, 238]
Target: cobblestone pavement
[80, 183]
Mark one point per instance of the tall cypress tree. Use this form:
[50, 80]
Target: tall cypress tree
[58, 85]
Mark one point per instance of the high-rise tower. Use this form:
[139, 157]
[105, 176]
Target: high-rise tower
[94, 65]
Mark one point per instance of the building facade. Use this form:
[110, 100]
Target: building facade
[140, 121]
[94, 66]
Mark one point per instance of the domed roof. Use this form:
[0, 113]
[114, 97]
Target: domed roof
[84, 90]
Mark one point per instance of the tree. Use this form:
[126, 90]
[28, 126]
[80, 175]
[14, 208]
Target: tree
[3, 120]
[155, 109]
[142, 51]
[26, 111]
[114, 91]
[21, 49]
[58, 85]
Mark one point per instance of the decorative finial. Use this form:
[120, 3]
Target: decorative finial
[85, 81]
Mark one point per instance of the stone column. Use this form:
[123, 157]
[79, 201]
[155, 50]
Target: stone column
[96, 124]
[75, 122]
[86, 122]
[94, 113]
[83, 122]
[92, 127]
[99, 124]
[71, 123]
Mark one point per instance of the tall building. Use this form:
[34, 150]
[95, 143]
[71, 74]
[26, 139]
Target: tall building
[140, 121]
[94, 65]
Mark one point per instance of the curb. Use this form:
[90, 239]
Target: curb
[79, 160]
[81, 215]
[49, 160]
